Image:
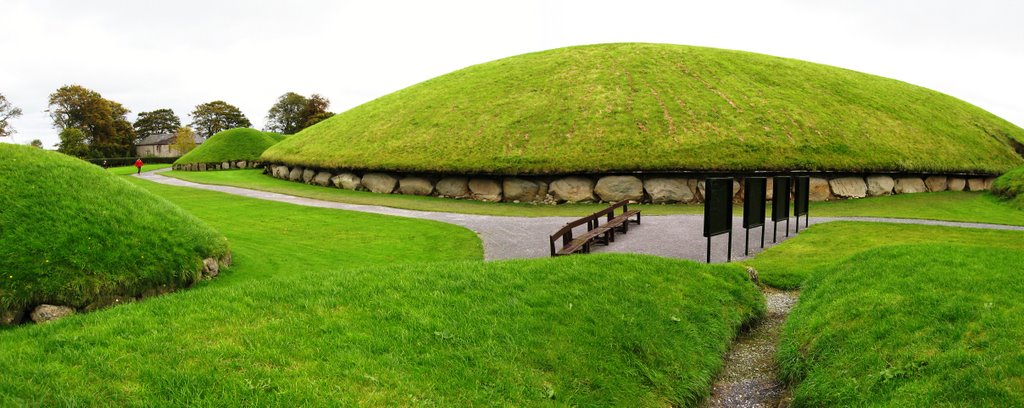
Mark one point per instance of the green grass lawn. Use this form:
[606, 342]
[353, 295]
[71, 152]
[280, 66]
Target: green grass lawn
[910, 326]
[947, 206]
[72, 234]
[126, 170]
[325, 307]
[626, 107]
[791, 263]
[231, 145]
[1010, 186]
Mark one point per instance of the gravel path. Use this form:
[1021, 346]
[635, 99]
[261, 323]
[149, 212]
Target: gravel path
[749, 375]
[672, 236]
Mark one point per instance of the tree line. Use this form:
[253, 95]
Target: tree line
[92, 126]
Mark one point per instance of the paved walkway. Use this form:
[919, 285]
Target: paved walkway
[673, 236]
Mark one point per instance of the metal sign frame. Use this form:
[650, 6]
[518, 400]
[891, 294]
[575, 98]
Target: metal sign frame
[718, 210]
[780, 204]
[802, 199]
[755, 194]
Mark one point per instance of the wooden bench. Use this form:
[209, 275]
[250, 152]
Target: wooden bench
[596, 233]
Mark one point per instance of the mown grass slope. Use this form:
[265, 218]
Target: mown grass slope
[232, 145]
[652, 107]
[1011, 187]
[910, 325]
[74, 234]
[325, 308]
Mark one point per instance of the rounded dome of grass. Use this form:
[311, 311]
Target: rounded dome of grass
[74, 234]
[232, 145]
[1011, 187]
[657, 107]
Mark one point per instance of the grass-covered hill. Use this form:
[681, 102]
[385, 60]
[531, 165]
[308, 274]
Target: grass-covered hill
[1011, 187]
[232, 145]
[73, 234]
[611, 107]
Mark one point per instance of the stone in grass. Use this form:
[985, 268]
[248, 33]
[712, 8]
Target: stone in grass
[380, 182]
[572, 190]
[457, 187]
[322, 178]
[516, 189]
[348, 181]
[210, 268]
[46, 313]
[413, 185]
[818, 189]
[617, 188]
[308, 175]
[668, 190]
[849, 187]
[936, 183]
[909, 185]
[225, 165]
[956, 184]
[295, 174]
[485, 189]
[880, 185]
[976, 184]
[11, 317]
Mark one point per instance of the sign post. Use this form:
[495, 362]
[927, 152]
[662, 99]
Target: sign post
[718, 210]
[754, 199]
[800, 204]
[780, 205]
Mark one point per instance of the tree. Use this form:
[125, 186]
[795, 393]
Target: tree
[7, 112]
[184, 140]
[294, 112]
[106, 130]
[72, 142]
[36, 143]
[212, 117]
[158, 122]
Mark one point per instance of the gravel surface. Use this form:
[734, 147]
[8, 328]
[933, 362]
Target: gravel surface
[672, 236]
[749, 375]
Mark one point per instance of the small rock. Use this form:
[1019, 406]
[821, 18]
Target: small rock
[11, 317]
[46, 313]
[752, 273]
[210, 268]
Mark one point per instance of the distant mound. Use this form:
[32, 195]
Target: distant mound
[1011, 187]
[75, 235]
[657, 107]
[232, 145]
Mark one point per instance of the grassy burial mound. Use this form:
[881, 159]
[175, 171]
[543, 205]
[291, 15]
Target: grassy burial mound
[232, 145]
[77, 236]
[1011, 187]
[656, 107]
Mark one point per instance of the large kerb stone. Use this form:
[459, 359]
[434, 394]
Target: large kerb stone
[457, 187]
[849, 187]
[322, 178]
[380, 182]
[572, 189]
[347, 181]
[413, 185]
[668, 190]
[617, 188]
[517, 189]
[910, 185]
[880, 185]
[485, 189]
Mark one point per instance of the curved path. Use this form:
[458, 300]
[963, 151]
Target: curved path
[674, 236]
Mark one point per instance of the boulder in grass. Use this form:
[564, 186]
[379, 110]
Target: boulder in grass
[909, 185]
[617, 188]
[322, 178]
[517, 189]
[936, 183]
[348, 181]
[413, 185]
[880, 185]
[46, 313]
[295, 174]
[308, 175]
[849, 187]
[956, 184]
[485, 189]
[457, 187]
[572, 190]
[819, 189]
[382, 183]
[976, 184]
[668, 190]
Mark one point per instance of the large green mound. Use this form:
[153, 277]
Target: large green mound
[656, 107]
[76, 235]
[1011, 187]
[232, 145]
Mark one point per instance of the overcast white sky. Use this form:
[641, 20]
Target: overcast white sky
[177, 54]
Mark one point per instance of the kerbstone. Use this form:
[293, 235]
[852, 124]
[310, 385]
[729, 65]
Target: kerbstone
[617, 188]
[382, 183]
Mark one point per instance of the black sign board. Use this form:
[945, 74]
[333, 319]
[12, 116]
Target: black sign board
[717, 206]
[802, 195]
[780, 205]
[718, 210]
[754, 199]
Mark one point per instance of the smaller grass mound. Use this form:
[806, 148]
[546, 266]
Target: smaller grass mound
[910, 326]
[1011, 187]
[232, 145]
[75, 235]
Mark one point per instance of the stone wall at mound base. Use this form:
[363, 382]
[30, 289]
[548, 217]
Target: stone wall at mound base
[655, 189]
[228, 165]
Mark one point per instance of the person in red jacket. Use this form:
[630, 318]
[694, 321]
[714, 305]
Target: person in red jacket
[138, 165]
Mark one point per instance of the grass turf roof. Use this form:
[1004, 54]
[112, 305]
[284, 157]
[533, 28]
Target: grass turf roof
[231, 145]
[74, 234]
[654, 107]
